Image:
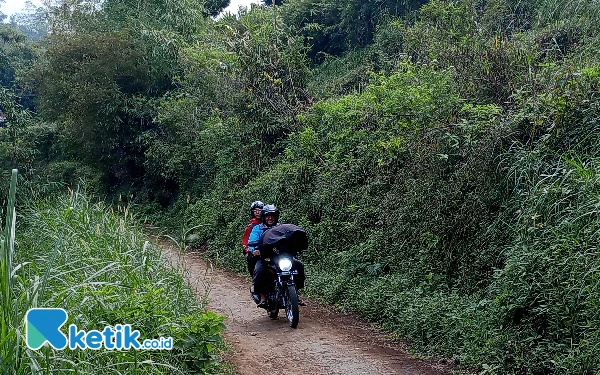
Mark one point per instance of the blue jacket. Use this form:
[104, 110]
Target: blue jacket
[255, 235]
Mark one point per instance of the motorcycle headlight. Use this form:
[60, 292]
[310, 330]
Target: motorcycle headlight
[285, 264]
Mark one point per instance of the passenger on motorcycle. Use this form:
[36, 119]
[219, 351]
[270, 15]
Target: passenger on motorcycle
[261, 279]
[255, 219]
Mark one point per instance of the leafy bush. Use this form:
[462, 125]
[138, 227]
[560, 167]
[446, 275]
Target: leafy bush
[425, 217]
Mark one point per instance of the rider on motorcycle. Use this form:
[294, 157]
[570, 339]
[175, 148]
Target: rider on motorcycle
[261, 279]
[255, 219]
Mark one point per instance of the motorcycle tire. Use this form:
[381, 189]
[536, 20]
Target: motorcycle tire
[291, 306]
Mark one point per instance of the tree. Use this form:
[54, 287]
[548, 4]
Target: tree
[2, 15]
[17, 55]
[106, 68]
[272, 2]
[240, 94]
[334, 26]
[32, 21]
[214, 7]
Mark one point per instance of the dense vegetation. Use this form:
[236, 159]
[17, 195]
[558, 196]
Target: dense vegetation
[442, 155]
[81, 256]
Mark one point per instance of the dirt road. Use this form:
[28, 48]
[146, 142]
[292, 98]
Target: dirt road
[325, 342]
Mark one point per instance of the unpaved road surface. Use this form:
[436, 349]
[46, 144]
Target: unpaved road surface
[325, 342]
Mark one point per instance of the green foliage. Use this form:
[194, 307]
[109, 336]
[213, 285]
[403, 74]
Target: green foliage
[370, 160]
[97, 98]
[272, 63]
[17, 54]
[361, 160]
[214, 7]
[545, 295]
[333, 27]
[339, 76]
[239, 97]
[444, 165]
[415, 225]
[102, 83]
[80, 256]
[10, 351]
[32, 21]
[24, 141]
[460, 34]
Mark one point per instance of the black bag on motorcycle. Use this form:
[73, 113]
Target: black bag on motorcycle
[287, 238]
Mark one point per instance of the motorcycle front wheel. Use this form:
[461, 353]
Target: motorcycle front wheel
[291, 306]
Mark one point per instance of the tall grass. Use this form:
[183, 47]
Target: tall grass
[10, 333]
[97, 265]
[554, 10]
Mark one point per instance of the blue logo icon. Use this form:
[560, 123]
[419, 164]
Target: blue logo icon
[43, 326]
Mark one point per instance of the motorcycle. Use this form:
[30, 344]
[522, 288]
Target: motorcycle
[279, 245]
[283, 294]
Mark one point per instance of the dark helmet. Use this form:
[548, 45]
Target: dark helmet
[255, 204]
[270, 209]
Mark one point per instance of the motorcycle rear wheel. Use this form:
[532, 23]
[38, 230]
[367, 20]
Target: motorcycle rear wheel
[291, 306]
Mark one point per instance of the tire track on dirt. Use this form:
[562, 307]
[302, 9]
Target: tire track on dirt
[325, 342]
